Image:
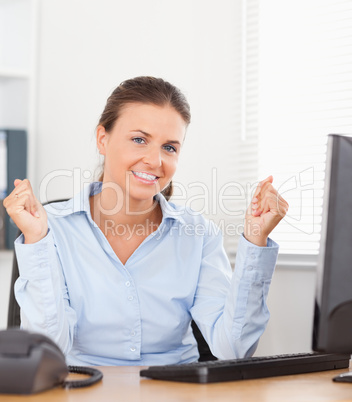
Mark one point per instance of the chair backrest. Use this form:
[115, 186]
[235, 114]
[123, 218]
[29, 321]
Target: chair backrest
[13, 316]
[14, 320]
[203, 348]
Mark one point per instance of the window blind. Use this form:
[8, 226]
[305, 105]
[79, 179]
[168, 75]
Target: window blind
[247, 131]
[298, 90]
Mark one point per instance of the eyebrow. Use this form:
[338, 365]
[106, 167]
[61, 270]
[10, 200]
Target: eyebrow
[149, 135]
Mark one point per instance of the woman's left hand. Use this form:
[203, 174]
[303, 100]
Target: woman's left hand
[265, 212]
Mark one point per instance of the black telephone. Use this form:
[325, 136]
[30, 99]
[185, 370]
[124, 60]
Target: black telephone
[31, 362]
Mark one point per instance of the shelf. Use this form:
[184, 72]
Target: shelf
[15, 38]
[9, 73]
[6, 255]
[19, 25]
[14, 100]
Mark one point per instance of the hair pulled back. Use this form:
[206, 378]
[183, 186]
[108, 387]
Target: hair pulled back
[147, 90]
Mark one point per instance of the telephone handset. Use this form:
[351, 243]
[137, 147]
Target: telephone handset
[32, 362]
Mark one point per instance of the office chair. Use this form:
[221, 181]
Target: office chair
[13, 316]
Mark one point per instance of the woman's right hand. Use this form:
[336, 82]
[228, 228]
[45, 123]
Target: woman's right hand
[27, 212]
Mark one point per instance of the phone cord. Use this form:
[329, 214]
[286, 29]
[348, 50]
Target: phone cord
[95, 376]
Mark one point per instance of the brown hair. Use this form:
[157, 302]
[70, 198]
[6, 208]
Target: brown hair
[147, 90]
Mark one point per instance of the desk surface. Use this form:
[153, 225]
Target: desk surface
[124, 384]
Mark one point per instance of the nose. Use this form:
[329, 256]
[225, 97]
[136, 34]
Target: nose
[153, 157]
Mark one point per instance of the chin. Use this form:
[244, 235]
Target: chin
[143, 195]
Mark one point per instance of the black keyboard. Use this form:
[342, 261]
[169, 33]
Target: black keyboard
[248, 368]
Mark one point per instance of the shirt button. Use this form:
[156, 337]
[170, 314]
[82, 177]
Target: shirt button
[133, 333]
[250, 268]
[132, 349]
[253, 256]
[128, 284]
[130, 297]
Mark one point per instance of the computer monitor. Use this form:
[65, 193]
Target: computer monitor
[332, 332]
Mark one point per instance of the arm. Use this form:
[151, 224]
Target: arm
[41, 291]
[233, 315]
[231, 311]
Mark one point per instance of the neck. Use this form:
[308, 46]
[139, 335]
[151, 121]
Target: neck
[109, 209]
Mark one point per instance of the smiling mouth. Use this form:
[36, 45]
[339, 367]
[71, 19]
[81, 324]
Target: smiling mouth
[145, 177]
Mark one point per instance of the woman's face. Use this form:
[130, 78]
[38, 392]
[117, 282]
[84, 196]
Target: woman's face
[142, 150]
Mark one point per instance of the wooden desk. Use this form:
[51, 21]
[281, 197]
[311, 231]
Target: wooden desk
[124, 384]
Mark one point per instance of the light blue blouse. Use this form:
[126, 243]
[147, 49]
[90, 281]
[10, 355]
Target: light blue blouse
[73, 288]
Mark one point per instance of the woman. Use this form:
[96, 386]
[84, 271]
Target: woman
[116, 274]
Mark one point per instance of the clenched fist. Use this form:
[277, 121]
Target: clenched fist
[27, 212]
[265, 212]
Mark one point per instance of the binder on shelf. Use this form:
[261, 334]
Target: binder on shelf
[3, 186]
[13, 148]
[3, 164]
[2, 227]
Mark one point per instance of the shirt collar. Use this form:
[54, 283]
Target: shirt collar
[80, 203]
[170, 210]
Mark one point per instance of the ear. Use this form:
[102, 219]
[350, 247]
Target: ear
[101, 139]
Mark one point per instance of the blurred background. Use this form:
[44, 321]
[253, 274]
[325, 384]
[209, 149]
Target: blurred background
[267, 82]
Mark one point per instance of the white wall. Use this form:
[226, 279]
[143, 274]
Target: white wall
[5, 277]
[87, 47]
[291, 305]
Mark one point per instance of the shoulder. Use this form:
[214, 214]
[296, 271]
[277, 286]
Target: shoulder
[72, 206]
[59, 209]
[65, 216]
[192, 221]
[181, 213]
[187, 214]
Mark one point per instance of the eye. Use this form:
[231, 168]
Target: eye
[138, 140]
[170, 148]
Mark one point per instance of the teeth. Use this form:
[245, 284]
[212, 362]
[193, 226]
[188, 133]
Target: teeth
[145, 176]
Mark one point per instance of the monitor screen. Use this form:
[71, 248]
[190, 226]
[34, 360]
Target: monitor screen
[332, 332]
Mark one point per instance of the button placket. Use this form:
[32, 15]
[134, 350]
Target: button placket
[129, 285]
[133, 333]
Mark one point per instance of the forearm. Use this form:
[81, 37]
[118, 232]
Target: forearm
[246, 314]
[41, 292]
[232, 313]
